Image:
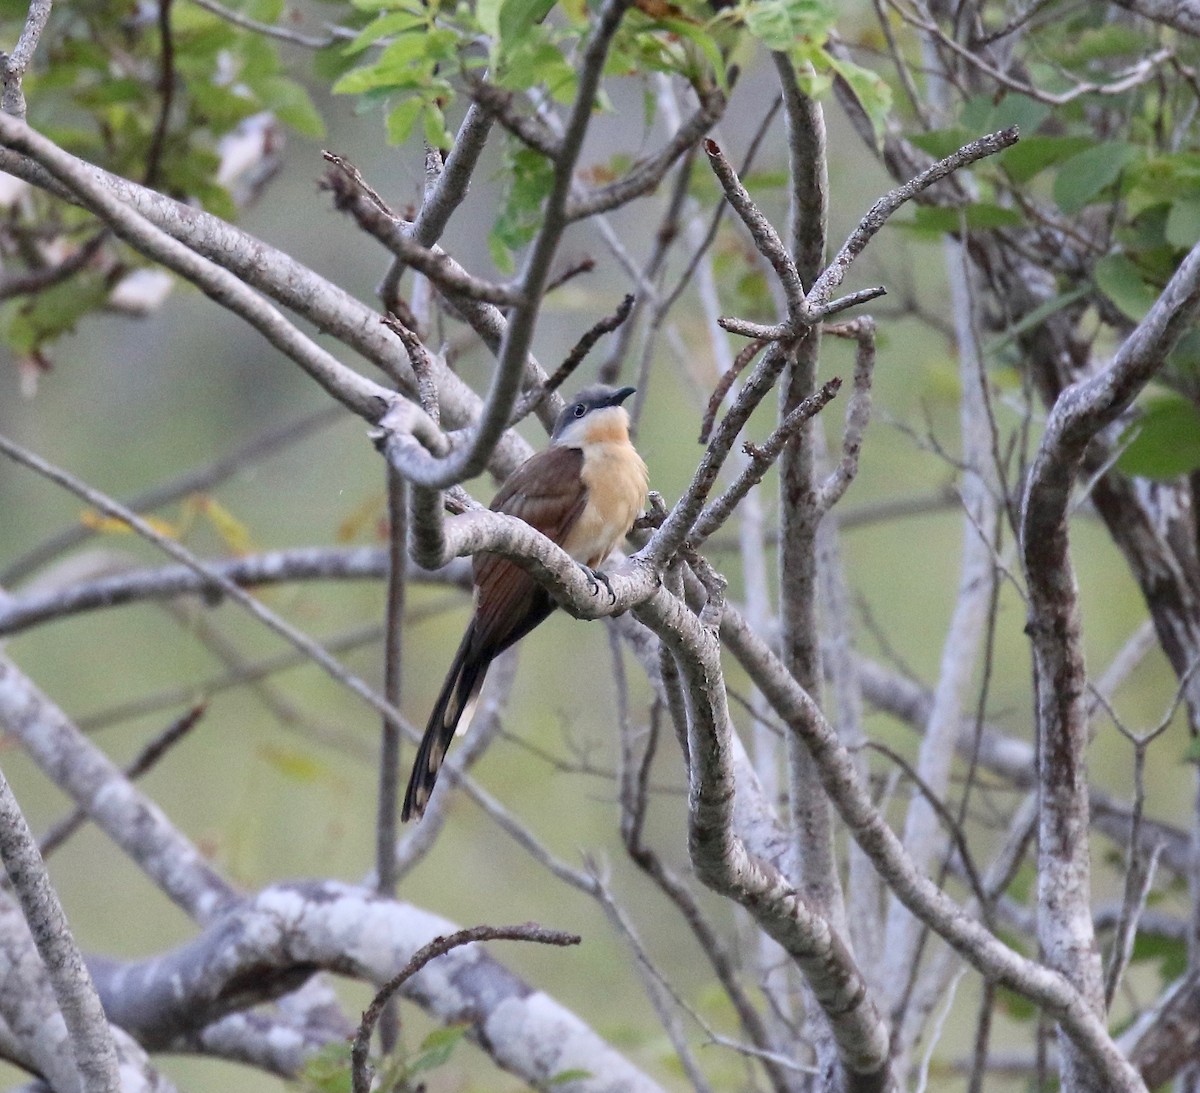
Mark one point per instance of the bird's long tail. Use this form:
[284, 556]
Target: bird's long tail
[461, 688]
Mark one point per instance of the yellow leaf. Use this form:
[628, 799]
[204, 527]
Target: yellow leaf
[361, 516]
[232, 532]
[297, 765]
[106, 525]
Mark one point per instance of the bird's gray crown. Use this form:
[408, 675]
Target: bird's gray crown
[599, 396]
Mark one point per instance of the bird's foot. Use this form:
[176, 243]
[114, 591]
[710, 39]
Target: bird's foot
[596, 579]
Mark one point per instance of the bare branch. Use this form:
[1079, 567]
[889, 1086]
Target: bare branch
[869, 829]
[202, 478]
[858, 409]
[15, 64]
[722, 862]
[271, 30]
[91, 1044]
[20, 612]
[762, 457]
[169, 546]
[439, 946]
[1181, 14]
[351, 193]
[361, 395]
[726, 382]
[769, 245]
[818, 296]
[500, 105]
[1065, 927]
[125, 815]
[674, 530]
[643, 177]
[575, 357]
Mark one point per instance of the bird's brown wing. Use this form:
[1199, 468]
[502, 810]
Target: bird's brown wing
[547, 493]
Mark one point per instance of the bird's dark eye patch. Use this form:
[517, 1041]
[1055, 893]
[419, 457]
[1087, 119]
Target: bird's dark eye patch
[579, 409]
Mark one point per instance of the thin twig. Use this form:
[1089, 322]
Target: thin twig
[181, 554]
[270, 30]
[762, 457]
[166, 92]
[817, 300]
[145, 760]
[858, 409]
[422, 363]
[747, 354]
[573, 359]
[769, 245]
[949, 821]
[40, 279]
[439, 946]
[12, 101]
[501, 105]
[353, 194]
[363, 396]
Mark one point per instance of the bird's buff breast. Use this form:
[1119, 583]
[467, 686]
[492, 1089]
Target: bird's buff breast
[616, 481]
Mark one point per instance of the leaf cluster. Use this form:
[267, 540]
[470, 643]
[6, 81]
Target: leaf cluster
[148, 97]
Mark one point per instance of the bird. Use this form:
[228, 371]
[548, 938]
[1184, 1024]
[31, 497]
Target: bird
[583, 492]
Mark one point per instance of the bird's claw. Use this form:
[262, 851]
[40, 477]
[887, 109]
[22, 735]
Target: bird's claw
[596, 579]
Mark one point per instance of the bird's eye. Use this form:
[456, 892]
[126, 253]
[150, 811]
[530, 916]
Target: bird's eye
[579, 409]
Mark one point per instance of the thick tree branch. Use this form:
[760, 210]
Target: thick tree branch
[281, 936]
[722, 862]
[870, 830]
[1081, 412]
[92, 1056]
[22, 611]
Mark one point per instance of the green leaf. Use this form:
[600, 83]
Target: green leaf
[517, 17]
[487, 15]
[402, 118]
[873, 95]
[575, 1074]
[112, 91]
[328, 1071]
[1166, 440]
[529, 178]
[436, 133]
[983, 114]
[30, 322]
[291, 105]
[1171, 954]
[437, 1048]
[403, 64]
[1183, 223]
[1120, 279]
[1103, 42]
[705, 43]
[783, 24]
[1163, 179]
[393, 22]
[538, 64]
[219, 106]
[1033, 155]
[1083, 177]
